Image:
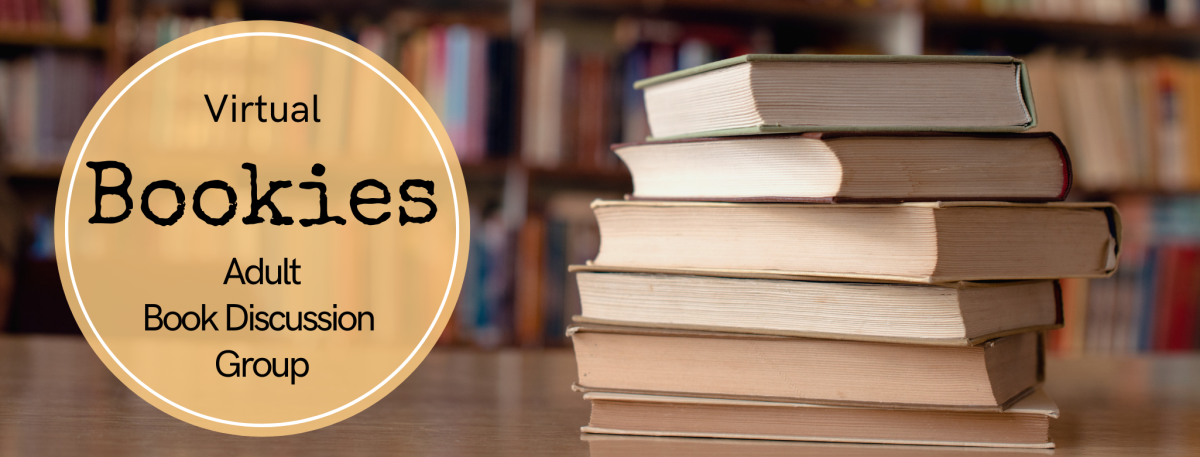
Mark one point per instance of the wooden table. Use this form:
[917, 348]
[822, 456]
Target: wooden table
[56, 398]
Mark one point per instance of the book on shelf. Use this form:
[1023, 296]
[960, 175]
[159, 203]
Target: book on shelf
[1024, 425]
[542, 119]
[1150, 303]
[567, 106]
[958, 314]
[1130, 124]
[44, 98]
[516, 289]
[911, 242]
[464, 100]
[854, 166]
[468, 78]
[1098, 11]
[73, 18]
[991, 376]
[780, 93]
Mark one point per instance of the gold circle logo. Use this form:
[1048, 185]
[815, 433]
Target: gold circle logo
[262, 228]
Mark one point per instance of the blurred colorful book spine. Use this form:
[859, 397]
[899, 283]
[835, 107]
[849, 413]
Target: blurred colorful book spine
[44, 98]
[1151, 303]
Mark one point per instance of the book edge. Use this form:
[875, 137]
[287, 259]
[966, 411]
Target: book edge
[769, 274]
[944, 342]
[843, 277]
[768, 129]
[1036, 403]
[747, 58]
[825, 402]
[598, 203]
[823, 135]
[597, 430]
[845, 200]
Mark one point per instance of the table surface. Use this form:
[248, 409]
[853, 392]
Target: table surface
[56, 398]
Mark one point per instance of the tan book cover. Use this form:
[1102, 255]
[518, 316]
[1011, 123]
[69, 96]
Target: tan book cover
[1025, 424]
[991, 376]
[848, 167]
[955, 314]
[933, 242]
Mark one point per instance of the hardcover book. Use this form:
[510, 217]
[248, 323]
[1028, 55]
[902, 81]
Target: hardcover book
[988, 377]
[779, 93]
[852, 167]
[955, 314]
[913, 242]
[1025, 425]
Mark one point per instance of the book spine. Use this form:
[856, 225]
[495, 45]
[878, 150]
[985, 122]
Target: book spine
[1026, 93]
[1068, 172]
[501, 100]
[527, 303]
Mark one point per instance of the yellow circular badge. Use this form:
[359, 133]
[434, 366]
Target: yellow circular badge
[262, 228]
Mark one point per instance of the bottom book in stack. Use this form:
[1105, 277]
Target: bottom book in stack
[601, 445]
[784, 359]
[1025, 424]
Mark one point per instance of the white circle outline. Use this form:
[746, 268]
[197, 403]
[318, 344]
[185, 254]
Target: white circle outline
[71, 270]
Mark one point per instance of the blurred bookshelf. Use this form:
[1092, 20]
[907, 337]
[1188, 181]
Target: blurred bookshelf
[97, 38]
[547, 89]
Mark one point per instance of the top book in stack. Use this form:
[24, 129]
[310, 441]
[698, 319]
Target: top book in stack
[761, 93]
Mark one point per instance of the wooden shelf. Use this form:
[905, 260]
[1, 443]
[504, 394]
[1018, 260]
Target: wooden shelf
[39, 173]
[581, 175]
[1148, 29]
[1108, 194]
[50, 35]
[786, 7]
[567, 175]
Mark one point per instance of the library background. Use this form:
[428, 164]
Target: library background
[533, 92]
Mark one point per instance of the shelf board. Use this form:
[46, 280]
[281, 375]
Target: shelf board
[571, 173]
[498, 169]
[1108, 194]
[1148, 29]
[791, 8]
[49, 35]
[39, 173]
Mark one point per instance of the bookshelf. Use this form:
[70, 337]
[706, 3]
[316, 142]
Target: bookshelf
[526, 199]
[32, 299]
[97, 38]
[42, 173]
[851, 10]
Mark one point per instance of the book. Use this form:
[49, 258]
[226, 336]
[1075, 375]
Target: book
[959, 314]
[849, 167]
[987, 377]
[912, 242]
[543, 108]
[776, 93]
[500, 119]
[44, 98]
[1026, 424]
[600, 445]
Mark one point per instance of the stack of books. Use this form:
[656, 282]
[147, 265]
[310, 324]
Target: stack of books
[836, 248]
